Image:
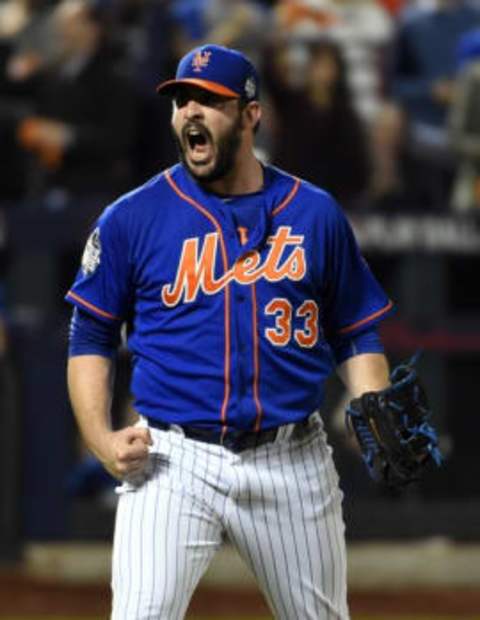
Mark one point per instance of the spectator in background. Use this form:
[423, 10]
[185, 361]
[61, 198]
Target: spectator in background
[22, 28]
[25, 32]
[80, 127]
[318, 134]
[364, 31]
[153, 55]
[424, 61]
[232, 23]
[465, 125]
[151, 52]
[361, 28]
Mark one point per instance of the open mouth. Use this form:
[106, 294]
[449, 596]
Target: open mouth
[198, 141]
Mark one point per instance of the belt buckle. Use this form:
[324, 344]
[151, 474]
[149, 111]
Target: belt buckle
[228, 440]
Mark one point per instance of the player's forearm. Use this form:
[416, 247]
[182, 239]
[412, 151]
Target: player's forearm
[364, 373]
[90, 390]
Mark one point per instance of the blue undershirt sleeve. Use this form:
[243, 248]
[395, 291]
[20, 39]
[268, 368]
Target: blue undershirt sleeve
[91, 336]
[367, 341]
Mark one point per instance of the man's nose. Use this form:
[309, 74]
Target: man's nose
[193, 109]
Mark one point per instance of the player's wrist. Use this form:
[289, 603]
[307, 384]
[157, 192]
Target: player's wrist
[100, 443]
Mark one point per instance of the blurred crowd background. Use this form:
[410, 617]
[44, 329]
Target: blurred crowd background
[377, 101]
[374, 100]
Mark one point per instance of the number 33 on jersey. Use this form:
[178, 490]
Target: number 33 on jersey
[243, 321]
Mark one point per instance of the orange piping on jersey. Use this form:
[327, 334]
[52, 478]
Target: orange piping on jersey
[288, 199]
[256, 360]
[90, 306]
[350, 328]
[223, 433]
[209, 216]
[243, 234]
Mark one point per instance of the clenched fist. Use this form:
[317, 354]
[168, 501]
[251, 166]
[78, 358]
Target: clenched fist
[124, 453]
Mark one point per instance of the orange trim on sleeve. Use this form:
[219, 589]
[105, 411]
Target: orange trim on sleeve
[288, 199]
[90, 306]
[256, 361]
[375, 315]
[209, 216]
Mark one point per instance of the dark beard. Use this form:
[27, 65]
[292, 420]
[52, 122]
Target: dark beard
[227, 149]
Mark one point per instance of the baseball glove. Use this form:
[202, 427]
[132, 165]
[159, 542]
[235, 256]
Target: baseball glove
[393, 431]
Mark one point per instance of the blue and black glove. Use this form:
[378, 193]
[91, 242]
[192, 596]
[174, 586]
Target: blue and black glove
[393, 430]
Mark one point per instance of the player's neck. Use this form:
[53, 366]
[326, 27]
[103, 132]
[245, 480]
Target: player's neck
[246, 177]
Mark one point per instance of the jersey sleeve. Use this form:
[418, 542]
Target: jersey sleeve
[89, 335]
[102, 283]
[353, 299]
[367, 341]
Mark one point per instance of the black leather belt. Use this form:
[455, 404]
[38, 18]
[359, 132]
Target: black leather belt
[234, 439]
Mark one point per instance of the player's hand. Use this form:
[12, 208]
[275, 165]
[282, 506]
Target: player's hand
[125, 452]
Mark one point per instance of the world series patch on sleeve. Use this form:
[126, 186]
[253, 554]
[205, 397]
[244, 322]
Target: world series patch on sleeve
[393, 429]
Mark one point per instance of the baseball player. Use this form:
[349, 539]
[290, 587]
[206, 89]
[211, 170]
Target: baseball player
[242, 289]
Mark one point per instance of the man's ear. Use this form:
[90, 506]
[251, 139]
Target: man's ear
[253, 114]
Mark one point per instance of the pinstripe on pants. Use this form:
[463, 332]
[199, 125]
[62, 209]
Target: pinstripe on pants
[279, 505]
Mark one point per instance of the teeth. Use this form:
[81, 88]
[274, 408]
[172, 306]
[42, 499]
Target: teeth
[196, 137]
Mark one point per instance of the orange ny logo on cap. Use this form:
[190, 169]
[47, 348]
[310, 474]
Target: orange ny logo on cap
[201, 60]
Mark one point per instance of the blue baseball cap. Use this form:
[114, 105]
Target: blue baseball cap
[218, 69]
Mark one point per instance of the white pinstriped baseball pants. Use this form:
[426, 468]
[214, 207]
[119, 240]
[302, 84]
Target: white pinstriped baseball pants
[279, 505]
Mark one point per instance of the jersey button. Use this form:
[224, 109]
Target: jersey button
[240, 297]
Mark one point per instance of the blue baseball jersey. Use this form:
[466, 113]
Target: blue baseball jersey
[231, 302]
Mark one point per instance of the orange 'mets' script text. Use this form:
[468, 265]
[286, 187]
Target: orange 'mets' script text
[197, 272]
